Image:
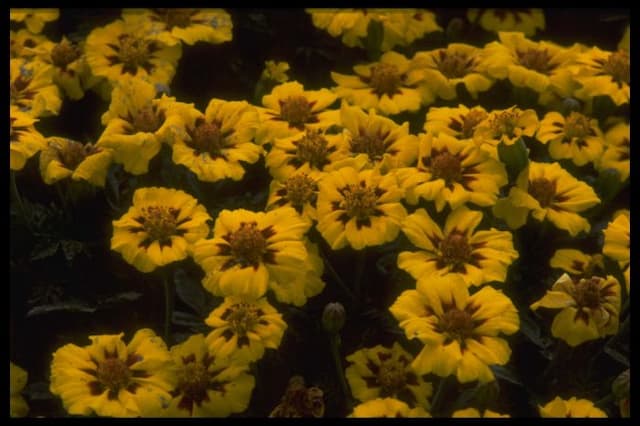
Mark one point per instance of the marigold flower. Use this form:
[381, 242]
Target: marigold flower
[34, 19]
[459, 331]
[572, 407]
[401, 27]
[299, 191]
[380, 372]
[215, 144]
[24, 140]
[617, 150]
[590, 308]
[275, 71]
[160, 228]
[22, 43]
[457, 249]
[252, 251]
[617, 242]
[208, 385]
[111, 378]
[460, 122]
[63, 158]
[243, 329]
[577, 263]
[603, 73]
[32, 89]
[475, 413]
[388, 85]
[359, 208]
[351, 24]
[548, 191]
[17, 380]
[387, 407]
[527, 21]
[452, 172]
[505, 126]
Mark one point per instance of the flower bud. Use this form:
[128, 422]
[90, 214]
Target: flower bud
[333, 317]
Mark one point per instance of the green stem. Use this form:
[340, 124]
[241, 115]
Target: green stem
[334, 341]
[16, 195]
[169, 290]
[337, 278]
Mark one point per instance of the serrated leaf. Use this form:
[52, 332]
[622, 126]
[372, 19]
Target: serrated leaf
[62, 306]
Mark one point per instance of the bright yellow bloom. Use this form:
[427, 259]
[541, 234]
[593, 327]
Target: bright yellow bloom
[590, 308]
[275, 71]
[505, 126]
[289, 110]
[160, 228]
[351, 24]
[125, 49]
[617, 242]
[24, 140]
[457, 249]
[460, 332]
[63, 158]
[380, 372]
[617, 146]
[547, 191]
[137, 123]
[242, 329]
[176, 25]
[387, 407]
[379, 140]
[22, 43]
[577, 263]
[450, 171]
[208, 385]
[527, 21]
[447, 67]
[34, 19]
[389, 85]
[572, 407]
[359, 208]
[251, 251]
[459, 122]
[216, 145]
[474, 413]
[575, 137]
[603, 73]
[32, 89]
[401, 27]
[113, 379]
[17, 380]
[299, 191]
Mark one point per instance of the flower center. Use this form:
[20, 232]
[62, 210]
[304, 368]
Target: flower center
[194, 381]
[160, 222]
[207, 137]
[113, 374]
[64, 53]
[74, 153]
[313, 148]
[368, 143]
[243, 318]
[359, 201]
[133, 51]
[180, 18]
[454, 65]
[617, 66]
[391, 376]
[455, 249]
[536, 60]
[247, 244]
[300, 189]
[446, 166]
[457, 324]
[587, 292]
[295, 110]
[470, 121]
[576, 125]
[147, 120]
[504, 123]
[385, 79]
[543, 190]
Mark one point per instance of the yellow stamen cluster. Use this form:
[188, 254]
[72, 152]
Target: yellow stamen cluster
[313, 148]
[295, 110]
[159, 222]
[617, 66]
[455, 249]
[543, 190]
[446, 166]
[300, 189]
[385, 79]
[359, 201]
[247, 244]
[113, 374]
[536, 59]
[455, 65]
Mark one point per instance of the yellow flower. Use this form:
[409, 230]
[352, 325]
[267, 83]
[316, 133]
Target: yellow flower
[242, 329]
[125, 49]
[289, 109]
[603, 73]
[137, 123]
[548, 191]
[251, 251]
[311, 152]
[24, 140]
[576, 137]
[32, 89]
[459, 331]
[113, 379]
[388, 85]
[460, 122]
[17, 380]
[160, 228]
[216, 144]
[577, 263]
[474, 413]
[23, 42]
[572, 407]
[380, 372]
[617, 242]
[176, 25]
[208, 385]
[387, 407]
[450, 171]
[458, 249]
[527, 21]
[505, 126]
[401, 27]
[616, 154]
[359, 208]
[63, 158]
[447, 67]
[275, 71]
[299, 191]
[351, 24]
[590, 308]
[380, 140]
[34, 19]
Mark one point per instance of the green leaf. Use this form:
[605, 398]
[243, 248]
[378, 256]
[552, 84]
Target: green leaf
[608, 185]
[515, 157]
[75, 306]
[191, 292]
[373, 41]
[504, 373]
